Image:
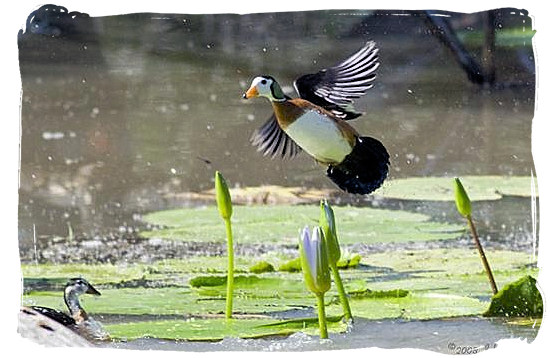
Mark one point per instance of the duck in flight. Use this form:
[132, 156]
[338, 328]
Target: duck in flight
[317, 122]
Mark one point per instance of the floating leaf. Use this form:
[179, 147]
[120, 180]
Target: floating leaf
[216, 329]
[414, 306]
[439, 189]
[278, 224]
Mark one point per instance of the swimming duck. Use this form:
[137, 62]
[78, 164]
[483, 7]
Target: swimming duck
[316, 122]
[78, 320]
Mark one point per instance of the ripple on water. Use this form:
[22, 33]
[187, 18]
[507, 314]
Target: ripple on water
[433, 335]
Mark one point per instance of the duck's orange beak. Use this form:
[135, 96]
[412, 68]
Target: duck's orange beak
[251, 93]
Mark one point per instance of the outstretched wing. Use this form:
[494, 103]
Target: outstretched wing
[272, 141]
[334, 88]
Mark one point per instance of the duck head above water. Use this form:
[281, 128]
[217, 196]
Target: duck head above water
[74, 288]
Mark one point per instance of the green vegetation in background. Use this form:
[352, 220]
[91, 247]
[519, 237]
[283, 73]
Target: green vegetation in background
[513, 37]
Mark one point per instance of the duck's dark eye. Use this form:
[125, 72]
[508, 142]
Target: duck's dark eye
[263, 82]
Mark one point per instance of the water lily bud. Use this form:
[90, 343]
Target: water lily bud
[328, 224]
[223, 198]
[314, 258]
[462, 200]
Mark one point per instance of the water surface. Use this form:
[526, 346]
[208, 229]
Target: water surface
[118, 111]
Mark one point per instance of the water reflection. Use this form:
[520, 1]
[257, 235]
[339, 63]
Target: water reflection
[118, 111]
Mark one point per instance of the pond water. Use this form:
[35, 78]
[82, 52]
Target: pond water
[118, 112]
[445, 336]
[122, 110]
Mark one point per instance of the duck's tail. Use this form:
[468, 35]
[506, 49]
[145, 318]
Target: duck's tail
[364, 169]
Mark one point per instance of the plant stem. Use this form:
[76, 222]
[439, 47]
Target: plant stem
[341, 293]
[230, 268]
[323, 334]
[482, 254]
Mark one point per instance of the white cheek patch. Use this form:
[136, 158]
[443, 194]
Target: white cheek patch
[263, 89]
[256, 81]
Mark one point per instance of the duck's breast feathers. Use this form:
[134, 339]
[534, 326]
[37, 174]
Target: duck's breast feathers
[316, 130]
[334, 88]
[321, 136]
[93, 330]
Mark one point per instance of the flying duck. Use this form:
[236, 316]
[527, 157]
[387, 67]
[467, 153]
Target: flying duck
[316, 122]
[78, 320]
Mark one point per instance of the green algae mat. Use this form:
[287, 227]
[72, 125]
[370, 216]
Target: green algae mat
[185, 299]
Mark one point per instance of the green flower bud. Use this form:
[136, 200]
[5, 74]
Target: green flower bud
[223, 198]
[462, 200]
[313, 255]
[328, 224]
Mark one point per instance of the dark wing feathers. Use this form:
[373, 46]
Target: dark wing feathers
[335, 88]
[272, 141]
[56, 315]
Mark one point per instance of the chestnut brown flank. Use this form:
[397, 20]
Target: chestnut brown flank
[288, 111]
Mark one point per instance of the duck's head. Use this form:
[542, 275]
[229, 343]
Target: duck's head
[78, 286]
[265, 86]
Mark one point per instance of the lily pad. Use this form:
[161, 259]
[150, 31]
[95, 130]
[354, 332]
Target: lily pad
[251, 287]
[440, 283]
[217, 329]
[161, 273]
[449, 271]
[168, 301]
[97, 274]
[414, 306]
[280, 224]
[441, 188]
[450, 261]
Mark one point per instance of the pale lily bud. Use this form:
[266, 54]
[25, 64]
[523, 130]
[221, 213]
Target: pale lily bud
[462, 200]
[314, 258]
[328, 224]
[223, 198]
